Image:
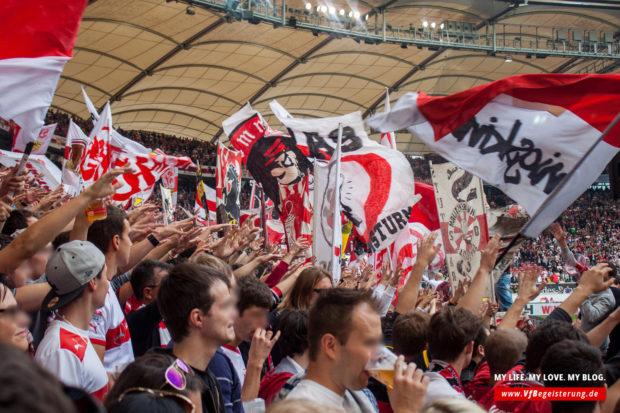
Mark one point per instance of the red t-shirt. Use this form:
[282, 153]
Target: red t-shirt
[479, 386]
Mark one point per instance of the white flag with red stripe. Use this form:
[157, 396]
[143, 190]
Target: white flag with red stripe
[535, 137]
[388, 138]
[205, 194]
[36, 41]
[41, 143]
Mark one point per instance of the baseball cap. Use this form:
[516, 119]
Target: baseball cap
[68, 271]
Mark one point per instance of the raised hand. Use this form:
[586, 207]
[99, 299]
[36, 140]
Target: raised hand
[105, 185]
[427, 249]
[262, 343]
[489, 255]
[594, 280]
[558, 232]
[528, 276]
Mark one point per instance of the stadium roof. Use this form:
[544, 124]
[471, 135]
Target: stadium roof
[179, 69]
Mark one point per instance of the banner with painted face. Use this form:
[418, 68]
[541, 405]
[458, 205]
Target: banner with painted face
[462, 219]
[228, 185]
[272, 157]
[377, 181]
[296, 214]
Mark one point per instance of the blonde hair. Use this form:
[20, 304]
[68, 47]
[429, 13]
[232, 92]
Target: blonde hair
[453, 406]
[215, 263]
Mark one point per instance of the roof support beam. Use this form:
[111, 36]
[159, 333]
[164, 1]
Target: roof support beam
[302, 59]
[81, 82]
[189, 89]
[371, 109]
[175, 112]
[176, 50]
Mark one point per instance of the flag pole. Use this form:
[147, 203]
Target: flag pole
[263, 217]
[335, 236]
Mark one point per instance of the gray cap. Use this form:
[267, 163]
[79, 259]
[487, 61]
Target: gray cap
[68, 271]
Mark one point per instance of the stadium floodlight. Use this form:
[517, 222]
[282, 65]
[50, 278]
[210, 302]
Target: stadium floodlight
[324, 9]
[350, 14]
[342, 12]
[424, 24]
[308, 6]
[357, 15]
[432, 25]
[332, 10]
[366, 17]
[441, 26]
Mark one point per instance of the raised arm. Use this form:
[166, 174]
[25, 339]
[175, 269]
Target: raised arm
[592, 281]
[473, 297]
[45, 230]
[426, 253]
[526, 293]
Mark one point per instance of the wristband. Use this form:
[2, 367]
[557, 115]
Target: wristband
[153, 240]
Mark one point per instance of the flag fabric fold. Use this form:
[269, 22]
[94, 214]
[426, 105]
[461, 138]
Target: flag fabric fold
[523, 134]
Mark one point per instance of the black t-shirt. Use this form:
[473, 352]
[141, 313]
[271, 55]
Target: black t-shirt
[212, 401]
[144, 328]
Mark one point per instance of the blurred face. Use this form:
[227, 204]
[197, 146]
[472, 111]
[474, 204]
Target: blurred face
[13, 322]
[363, 341]
[149, 293]
[252, 318]
[219, 326]
[101, 288]
[124, 247]
[324, 284]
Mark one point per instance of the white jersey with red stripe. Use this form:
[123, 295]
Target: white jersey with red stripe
[108, 328]
[67, 352]
[234, 355]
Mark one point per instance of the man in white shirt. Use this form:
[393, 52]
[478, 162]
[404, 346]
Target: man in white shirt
[108, 328]
[344, 330]
[77, 275]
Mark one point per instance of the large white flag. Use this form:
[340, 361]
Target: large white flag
[327, 229]
[75, 145]
[35, 43]
[535, 137]
[377, 182]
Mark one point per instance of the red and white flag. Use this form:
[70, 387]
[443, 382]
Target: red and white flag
[36, 41]
[296, 212]
[377, 182]
[38, 164]
[170, 181]
[75, 145]
[204, 194]
[536, 137]
[228, 185]
[41, 143]
[96, 160]
[388, 138]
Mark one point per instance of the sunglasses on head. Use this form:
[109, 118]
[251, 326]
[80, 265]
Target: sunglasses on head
[185, 401]
[175, 374]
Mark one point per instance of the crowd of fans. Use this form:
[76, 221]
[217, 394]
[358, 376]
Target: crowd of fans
[126, 314]
[199, 151]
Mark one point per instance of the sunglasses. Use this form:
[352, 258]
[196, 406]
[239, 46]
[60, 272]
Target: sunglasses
[187, 404]
[175, 374]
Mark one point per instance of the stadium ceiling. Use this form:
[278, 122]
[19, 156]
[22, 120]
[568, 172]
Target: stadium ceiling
[183, 67]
